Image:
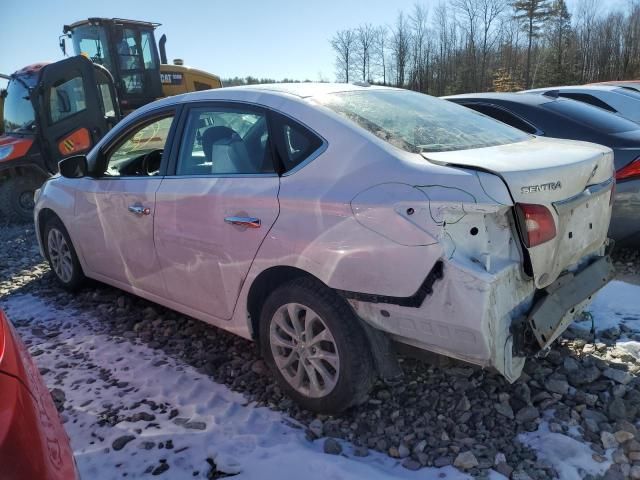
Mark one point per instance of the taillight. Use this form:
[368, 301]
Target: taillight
[631, 170]
[536, 223]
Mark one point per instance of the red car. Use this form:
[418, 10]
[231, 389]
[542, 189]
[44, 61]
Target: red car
[33, 443]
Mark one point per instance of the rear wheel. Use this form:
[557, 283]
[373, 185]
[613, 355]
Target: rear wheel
[16, 197]
[315, 346]
[61, 255]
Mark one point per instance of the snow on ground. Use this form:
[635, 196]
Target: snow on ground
[106, 378]
[116, 388]
[617, 303]
[571, 458]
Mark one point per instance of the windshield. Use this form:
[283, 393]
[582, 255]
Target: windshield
[591, 116]
[420, 123]
[19, 116]
[92, 41]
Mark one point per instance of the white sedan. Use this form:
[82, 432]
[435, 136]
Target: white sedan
[331, 223]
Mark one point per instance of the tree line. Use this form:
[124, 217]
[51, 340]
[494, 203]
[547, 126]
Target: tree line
[502, 45]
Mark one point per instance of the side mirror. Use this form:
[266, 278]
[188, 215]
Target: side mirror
[63, 45]
[74, 167]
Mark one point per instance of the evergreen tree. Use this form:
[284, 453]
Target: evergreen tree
[559, 38]
[531, 14]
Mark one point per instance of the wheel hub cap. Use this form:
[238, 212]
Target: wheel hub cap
[60, 255]
[304, 350]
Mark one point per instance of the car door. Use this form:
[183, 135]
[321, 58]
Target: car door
[215, 210]
[116, 210]
[72, 98]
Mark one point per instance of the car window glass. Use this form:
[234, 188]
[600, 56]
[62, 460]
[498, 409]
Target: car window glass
[590, 116]
[502, 115]
[66, 98]
[297, 143]
[419, 123]
[218, 141]
[141, 151]
[586, 98]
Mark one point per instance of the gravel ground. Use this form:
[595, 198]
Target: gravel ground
[439, 415]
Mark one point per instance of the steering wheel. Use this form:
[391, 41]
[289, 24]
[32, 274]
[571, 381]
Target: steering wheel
[150, 163]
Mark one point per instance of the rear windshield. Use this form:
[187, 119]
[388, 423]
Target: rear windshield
[420, 123]
[590, 116]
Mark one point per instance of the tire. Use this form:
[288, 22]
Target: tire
[16, 198]
[343, 357]
[62, 256]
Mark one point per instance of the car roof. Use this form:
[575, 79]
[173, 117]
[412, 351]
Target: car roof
[596, 88]
[296, 90]
[529, 99]
[310, 89]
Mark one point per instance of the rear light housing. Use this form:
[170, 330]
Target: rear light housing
[632, 170]
[536, 224]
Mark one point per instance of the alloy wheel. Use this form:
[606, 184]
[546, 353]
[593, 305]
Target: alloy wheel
[60, 255]
[304, 350]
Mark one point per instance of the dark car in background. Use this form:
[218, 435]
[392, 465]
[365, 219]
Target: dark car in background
[558, 117]
[33, 443]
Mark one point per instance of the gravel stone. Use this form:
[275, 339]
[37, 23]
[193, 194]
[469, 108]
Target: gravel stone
[527, 414]
[608, 440]
[619, 376]
[120, 442]
[465, 460]
[332, 446]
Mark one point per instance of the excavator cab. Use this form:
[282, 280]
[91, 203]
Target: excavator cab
[127, 49]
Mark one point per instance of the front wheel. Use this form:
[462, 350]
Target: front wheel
[314, 344]
[16, 198]
[62, 257]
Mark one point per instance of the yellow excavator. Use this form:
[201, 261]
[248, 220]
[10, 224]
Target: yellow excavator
[50, 111]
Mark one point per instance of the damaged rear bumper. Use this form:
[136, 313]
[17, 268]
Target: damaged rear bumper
[558, 305]
[488, 318]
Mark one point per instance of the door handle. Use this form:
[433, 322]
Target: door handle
[139, 210]
[250, 222]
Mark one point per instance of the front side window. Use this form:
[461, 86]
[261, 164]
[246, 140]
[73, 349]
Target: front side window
[419, 123]
[106, 97]
[91, 41]
[18, 110]
[140, 152]
[220, 141]
[66, 98]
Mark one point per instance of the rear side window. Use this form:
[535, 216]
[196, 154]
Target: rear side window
[586, 98]
[503, 116]
[66, 99]
[591, 117]
[295, 143]
[225, 141]
[419, 123]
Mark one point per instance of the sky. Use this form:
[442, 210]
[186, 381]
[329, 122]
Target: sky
[270, 38]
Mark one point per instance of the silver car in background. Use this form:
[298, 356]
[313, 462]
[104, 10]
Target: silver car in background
[331, 222]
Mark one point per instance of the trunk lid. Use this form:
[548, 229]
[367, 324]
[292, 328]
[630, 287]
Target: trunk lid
[572, 179]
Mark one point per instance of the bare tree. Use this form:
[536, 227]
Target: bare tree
[471, 45]
[343, 43]
[400, 44]
[380, 45]
[365, 38]
[490, 11]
